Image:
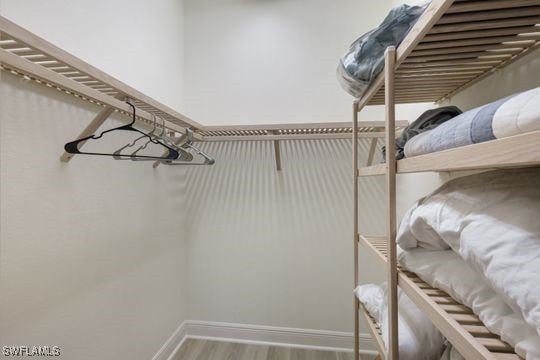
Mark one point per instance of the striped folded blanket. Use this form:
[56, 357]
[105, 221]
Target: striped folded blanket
[513, 115]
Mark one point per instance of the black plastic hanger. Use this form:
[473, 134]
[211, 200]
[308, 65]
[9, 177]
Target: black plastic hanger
[73, 147]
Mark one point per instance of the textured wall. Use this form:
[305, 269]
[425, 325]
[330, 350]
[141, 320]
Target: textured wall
[271, 61]
[92, 255]
[274, 248]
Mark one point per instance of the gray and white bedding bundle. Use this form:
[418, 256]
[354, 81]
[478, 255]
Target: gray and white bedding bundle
[365, 58]
[512, 115]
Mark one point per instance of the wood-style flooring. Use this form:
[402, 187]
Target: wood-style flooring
[195, 349]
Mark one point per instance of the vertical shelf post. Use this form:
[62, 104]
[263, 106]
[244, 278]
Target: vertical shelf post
[372, 149]
[390, 122]
[355, 228]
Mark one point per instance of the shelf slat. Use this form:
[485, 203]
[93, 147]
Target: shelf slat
[374, 330]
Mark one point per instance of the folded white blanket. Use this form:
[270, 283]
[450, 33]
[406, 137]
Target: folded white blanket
[446, 270]
[419, 339]
[492, 220]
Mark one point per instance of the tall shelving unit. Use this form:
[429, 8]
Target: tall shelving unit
[453, 45]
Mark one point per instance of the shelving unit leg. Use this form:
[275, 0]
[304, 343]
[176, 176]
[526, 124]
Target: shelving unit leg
[389, 69]
[355, 229]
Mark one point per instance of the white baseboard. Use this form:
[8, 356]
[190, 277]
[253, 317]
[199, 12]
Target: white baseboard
[264, 335]
[172, 344]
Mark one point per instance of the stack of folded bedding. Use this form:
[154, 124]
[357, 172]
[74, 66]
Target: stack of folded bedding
[429, 120]
[513, 115]
[478, 239]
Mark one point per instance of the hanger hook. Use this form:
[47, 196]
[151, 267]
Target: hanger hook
[189, 134]
[154, 127]
[162, 128]
[133, 114]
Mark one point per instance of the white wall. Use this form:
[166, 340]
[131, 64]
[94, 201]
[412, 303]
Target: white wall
[265, 247]
[274, 248]
[138, 42]
[271, 61]
[92, 253]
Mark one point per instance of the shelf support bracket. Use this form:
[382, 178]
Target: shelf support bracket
[372, 148]
[93, 126]
[277, 153]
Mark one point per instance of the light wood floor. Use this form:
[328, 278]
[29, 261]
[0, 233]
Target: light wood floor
[194, 349]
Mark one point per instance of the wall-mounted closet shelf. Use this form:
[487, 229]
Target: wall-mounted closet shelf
[453, 45]
[29, 55]
[455, 321]
[32, 57]
[297, 131]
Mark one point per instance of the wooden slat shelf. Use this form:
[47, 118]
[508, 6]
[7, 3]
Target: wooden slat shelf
[25, 54]
[451, 35]
[455, 321]
[514, 151]
[296, 131]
